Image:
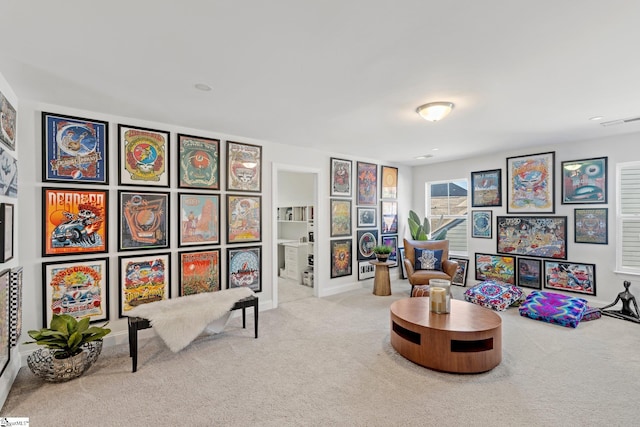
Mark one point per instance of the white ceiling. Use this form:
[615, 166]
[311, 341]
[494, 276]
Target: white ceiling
[341, 75]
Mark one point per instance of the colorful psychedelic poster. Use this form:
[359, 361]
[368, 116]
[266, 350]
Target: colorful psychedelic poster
[74, 221]
[199, 219]
[199, 163]
[143, 279]
[245, 268]
[199, 272]
[79, 288]
[75, 149]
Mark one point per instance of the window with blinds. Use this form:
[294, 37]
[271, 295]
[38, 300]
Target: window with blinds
[628, 217]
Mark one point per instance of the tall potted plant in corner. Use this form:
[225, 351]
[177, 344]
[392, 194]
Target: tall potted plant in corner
[71, 347]
[420, 230]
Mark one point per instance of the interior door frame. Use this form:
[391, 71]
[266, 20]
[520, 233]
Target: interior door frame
[277, 168]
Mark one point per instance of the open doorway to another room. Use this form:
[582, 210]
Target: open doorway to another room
[295, 200]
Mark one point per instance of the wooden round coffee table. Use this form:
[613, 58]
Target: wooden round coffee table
[466, 340]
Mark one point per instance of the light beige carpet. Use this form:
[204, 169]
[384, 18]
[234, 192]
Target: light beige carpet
[328, 362]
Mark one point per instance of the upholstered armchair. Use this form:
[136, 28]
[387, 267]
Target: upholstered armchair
[420, 276]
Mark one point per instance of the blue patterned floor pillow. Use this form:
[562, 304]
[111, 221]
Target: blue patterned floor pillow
[554, 308]
[591, 313]
[495, 295]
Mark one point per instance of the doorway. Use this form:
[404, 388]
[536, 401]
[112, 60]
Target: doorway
[295, 193]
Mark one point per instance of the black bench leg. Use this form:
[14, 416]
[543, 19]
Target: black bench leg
[133, 344]
[255, 316]
[244, 317]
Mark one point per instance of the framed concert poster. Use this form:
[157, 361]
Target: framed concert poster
[8, 118]
[530, 273]
[244, 167]
[75, 149]
[366, 270]
[570, 276]
[74, 222]
[584, 181]
[532, 236]
[340, 217]
[481, 224]
[367, 239]
[8, 174]
[143, 220]
[340, 178]
[199, 219]
[79, 288]
[496, 267]
[389, 183]
[366, 217]
[6, 232]
[199, 162]
[389, 214]
[144, 279]
[199, 272]
[5, 321]
[460, 278]
[341, 258]
[144, 156]
[530, 183]
[367, 184]
[486, 188]
[245, 268]
[244, 218]
[590, 226]
[392, 242]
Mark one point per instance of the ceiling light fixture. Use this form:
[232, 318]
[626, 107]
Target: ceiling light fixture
[435, 111]
[426, 156]
[593, 119]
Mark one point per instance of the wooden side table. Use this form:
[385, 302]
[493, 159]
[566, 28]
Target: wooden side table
[381, 281]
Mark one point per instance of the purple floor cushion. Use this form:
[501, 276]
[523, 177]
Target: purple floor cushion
[554, 308]
[495, 295]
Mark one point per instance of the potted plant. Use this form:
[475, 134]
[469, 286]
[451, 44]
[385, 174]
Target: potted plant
[71, 347]
[420, 231]
[382, 252]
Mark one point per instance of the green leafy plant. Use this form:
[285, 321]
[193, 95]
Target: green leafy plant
[382, 249]
[66, 335]
[420, 230]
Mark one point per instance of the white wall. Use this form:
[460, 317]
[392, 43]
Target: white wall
[30, 207]
[14, 360]
[618, 149]
[295, 189]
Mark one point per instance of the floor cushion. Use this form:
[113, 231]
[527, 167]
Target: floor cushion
[493, 294]
[554, 308]
[591, 313]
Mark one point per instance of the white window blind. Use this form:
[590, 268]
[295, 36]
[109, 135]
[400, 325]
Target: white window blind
[628, 217]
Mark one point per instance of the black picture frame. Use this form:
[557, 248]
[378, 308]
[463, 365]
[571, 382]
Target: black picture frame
[495, 267]
[143, 220]
[341, 257]
[244, 218]
[143, 278]
[529, 273]
[244, 268]
[460, 278]
[366, 240]
[531, 184]
[79, 288]
[366, 217]
[584, 181]
[6, 231]
[388, 217]
[244, 167]
[486, 188]
[532, 236]
[199, 219]
[75, 149]
[198, 162]
[576, 277]
[482, 224]
[144, 156]
[591, 226]
[341, 177]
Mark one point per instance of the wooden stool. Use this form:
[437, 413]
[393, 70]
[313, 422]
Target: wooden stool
[138, 323]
